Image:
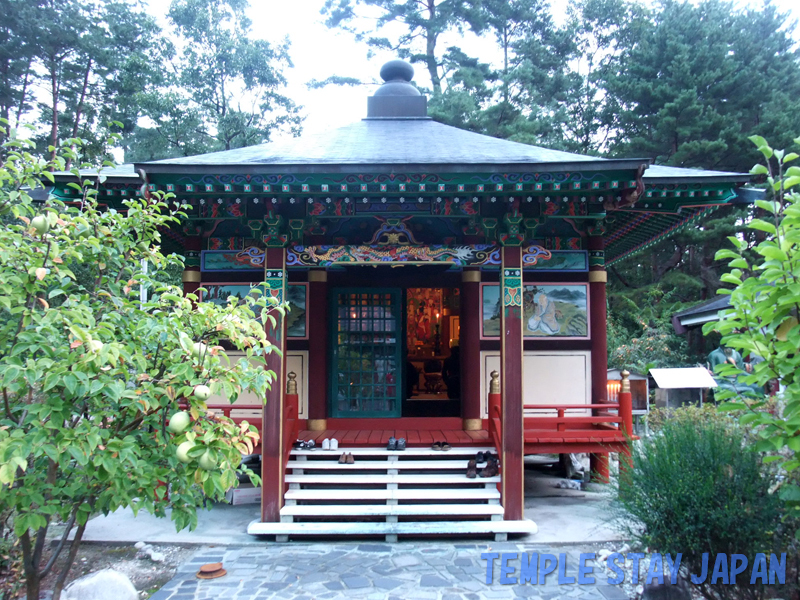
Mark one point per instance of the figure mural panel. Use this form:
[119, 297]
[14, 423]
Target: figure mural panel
[296, 294]
[549, 310]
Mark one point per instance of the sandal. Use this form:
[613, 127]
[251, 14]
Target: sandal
[436, 446]
[446, 447]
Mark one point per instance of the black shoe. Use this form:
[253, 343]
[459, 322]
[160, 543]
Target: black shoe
[392, 445]
[299, 445]
[480, 458]
[471, 470]
[401, 444]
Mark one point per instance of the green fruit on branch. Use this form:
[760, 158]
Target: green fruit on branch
[179, 422]
[40, 224]
[199, 349]
[202, 392]
[183, 451]
[782, 333]
[207, 461]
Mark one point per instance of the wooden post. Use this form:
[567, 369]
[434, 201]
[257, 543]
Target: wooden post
[317, 306]
[191, 273]
[470, 344]
[598, 333]
[272, 442]
[511, 382]
[495, 397]
[626, 413]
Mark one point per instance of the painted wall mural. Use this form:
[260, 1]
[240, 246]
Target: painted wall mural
[549, 310]
[296, 295]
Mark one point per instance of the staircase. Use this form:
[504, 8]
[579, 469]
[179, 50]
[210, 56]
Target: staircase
[416, 491]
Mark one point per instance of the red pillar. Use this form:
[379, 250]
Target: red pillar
[598, 333]
[470, 343]
[511, 382]
[272, 442]
[317, 307]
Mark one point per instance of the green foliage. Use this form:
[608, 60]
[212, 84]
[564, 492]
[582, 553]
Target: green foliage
[763, 318]
[640, 335]
[227, 88]
[693, 105]
[72, 67]
[686, 416]
[90, 374]
[694, 488]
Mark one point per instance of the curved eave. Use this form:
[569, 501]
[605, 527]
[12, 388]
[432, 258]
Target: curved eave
[267, 168]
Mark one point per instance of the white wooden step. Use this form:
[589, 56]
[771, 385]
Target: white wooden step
[360, 494]
[454, 451]
[382, 478]
[404, 510]
[363, 465]
[404, 528]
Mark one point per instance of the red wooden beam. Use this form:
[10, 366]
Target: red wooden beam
[511, 347]
[470, 343]
[272, 442]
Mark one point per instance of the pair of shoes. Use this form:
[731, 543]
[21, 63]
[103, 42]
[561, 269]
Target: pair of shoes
[396, 444]
[346, 459]
[482, 457]
[444, 446]
[304, 445]
[471, 470]
[330, 444]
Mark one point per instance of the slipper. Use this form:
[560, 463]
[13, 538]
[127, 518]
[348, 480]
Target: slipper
[436, 446]
[446, 447]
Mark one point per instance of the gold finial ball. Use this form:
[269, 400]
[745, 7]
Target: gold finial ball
[625, 385]
[291, 385]
[494, 385]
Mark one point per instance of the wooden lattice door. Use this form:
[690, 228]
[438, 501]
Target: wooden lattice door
[366, 373]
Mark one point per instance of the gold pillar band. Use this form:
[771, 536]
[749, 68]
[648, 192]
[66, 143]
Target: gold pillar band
[318, 275]
[471, 276]
[190, 276]
[317, 424]
[472, 424]
[598, 277]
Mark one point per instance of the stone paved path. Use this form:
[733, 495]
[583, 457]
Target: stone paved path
[375, 571]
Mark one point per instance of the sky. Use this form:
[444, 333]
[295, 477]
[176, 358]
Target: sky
[318, 52]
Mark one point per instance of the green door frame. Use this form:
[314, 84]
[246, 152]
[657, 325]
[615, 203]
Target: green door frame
[337, 345]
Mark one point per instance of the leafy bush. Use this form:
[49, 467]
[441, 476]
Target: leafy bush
[695, 487]
[764, 318]
[707, 414]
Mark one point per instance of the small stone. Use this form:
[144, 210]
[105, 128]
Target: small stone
[139, 545]
[158, 556]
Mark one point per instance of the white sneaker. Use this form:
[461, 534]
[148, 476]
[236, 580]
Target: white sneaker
[334, 444]
[326, 444]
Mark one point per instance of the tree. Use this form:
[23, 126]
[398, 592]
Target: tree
[694, 105]
[764, 315]
[226, 87]
[424, 23]
[103, 392]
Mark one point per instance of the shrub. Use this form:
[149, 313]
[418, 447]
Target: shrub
[695, 487]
